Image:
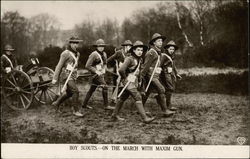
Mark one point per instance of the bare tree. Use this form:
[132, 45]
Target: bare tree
[44, 30]
[108, 30]
[14, 31]
[199, 10]
[190, 44]
[86, 31]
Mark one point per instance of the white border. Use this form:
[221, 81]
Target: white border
[97, 151]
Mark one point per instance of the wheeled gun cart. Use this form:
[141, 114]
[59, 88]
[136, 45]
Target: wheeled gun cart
[22, 85]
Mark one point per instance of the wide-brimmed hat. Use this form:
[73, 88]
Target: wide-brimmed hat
[171, 43]
[99, 42]
[138, 44]
[74, 39]
[127, 43]
[155, 37]
[8, 47]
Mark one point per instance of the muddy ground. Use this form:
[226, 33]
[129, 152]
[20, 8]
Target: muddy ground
[202, 118]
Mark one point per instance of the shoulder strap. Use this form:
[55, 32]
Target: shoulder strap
[100, 57]
[122, 53]
[8, 59]
[75, 58]
[170, 59]
[137, 68]
[158, 59]
[116, 66]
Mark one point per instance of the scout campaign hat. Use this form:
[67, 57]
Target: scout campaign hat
[171, 43]
[155, 37]
[138, 44]
[8, 47]
[99, 42]
[74, 39]
[127, 43]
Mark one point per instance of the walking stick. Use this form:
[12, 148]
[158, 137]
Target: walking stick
[152, 74]
[66, 82]
[115, 93]
[128, 81]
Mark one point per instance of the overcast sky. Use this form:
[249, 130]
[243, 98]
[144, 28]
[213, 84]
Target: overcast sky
[70, 13]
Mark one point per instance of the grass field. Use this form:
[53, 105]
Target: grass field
[213, 110]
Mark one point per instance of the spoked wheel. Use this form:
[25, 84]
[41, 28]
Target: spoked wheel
[18, 91]
[45, 93]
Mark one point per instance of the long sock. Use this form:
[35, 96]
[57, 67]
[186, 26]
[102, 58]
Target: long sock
[118, 107]
[168, 99]
[75, 102]
[88, 96]
[105, 96]
[162, 102]
[141, 109]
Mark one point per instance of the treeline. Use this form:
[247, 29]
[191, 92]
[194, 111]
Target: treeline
[50, 55]
[209, 33]
[28, 34]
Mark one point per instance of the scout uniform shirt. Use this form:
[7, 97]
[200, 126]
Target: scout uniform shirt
[169, 71]
[152, 57]
[96, 61]
[66, 63]
[168, 64]
[119, 56]
[131, 66]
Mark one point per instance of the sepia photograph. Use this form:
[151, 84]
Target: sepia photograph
[86, 75]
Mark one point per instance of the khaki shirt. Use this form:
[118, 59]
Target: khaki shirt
[66, 61]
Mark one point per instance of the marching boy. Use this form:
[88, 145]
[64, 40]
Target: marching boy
[67, 69]
[151, 71]
[97, 64]
[130, 71]
[169, 73]
[119, 57]
[8, 60]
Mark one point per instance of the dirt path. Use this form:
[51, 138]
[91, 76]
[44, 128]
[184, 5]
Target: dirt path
[201, 119]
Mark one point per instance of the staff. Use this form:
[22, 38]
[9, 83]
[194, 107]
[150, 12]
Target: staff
[152, 74]
[133, 74]
[72, 70]
[114, 95]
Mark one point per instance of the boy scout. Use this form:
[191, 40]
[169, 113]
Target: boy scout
[67, 69]
[8, 60]
[151, 71]
[97, 64]
[119, 57]
[130, 71]
[169, 73]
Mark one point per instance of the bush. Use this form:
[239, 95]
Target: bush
[230, 83]
[50, 56]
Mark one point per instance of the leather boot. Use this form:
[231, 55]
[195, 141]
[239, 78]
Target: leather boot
[141, 110]
[115, 116]
[157, 98]
[168, 102]
[87, 97]
[166, 111]
[105, 100]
